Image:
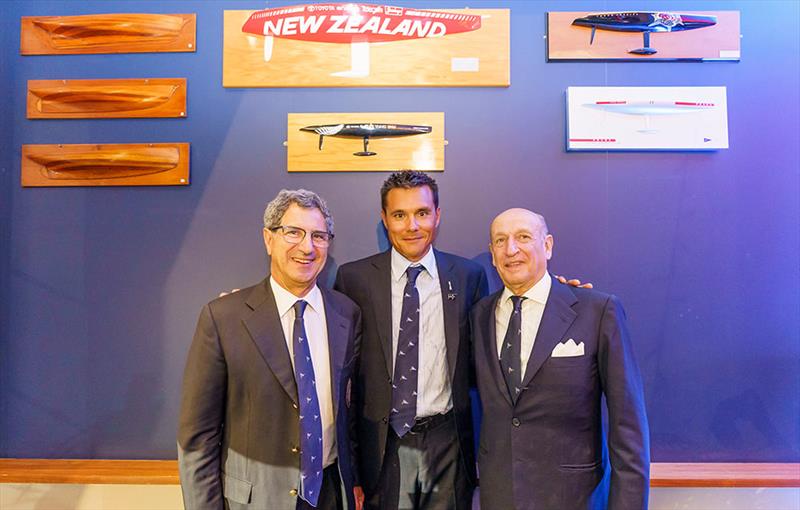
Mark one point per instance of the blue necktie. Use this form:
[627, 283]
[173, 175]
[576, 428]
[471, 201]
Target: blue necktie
[310, 419]
[510, 357]
[404, 384]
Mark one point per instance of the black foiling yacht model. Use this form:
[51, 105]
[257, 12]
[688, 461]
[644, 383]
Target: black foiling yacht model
[365, 132]
[644, 22]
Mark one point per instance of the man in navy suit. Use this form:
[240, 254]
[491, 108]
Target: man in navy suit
[545, 355]
[415, 440]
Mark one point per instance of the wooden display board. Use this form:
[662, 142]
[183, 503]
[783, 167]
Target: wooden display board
[152, 164]
[89, 99]
[107, 33]
[415, 152]
[643, 36]
[474, 58]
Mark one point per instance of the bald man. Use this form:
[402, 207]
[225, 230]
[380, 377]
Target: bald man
[545, 355]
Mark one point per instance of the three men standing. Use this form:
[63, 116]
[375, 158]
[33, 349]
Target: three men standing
[280, 380]
[415, 439]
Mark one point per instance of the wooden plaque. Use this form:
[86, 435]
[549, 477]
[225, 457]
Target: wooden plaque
[151, 164]
[477, 58]
[91, 99]
[644, 36]
[413, 152]
[107, 33]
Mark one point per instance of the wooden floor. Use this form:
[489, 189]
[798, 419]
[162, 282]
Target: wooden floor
[165, 472]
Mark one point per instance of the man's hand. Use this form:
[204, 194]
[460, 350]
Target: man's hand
[358, 492]
[574, 282]
[237, 290]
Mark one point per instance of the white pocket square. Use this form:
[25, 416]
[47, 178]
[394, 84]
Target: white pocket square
[568, 349]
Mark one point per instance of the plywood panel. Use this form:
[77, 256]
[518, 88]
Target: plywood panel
[107, 33]
[86, 99]
[415, 152]
[155, 164]
[470, 59]
[566, 41]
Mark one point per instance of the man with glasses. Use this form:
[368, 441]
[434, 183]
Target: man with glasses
[266, 417]
[545, 356]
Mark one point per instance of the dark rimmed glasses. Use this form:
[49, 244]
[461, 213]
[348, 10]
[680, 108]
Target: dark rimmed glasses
[295, 235]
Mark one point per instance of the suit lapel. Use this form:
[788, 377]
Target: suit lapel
[337, 344]
[381, 293]
[557, 317]
[486, 323]
[450, 308]
[264, 326]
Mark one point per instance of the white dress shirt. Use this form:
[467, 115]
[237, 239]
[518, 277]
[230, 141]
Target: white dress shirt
[532, 310]
[434, 395]
[317, 333]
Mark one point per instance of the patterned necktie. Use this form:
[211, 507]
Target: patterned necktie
[510, 354]
[404, 385]
[310, 419]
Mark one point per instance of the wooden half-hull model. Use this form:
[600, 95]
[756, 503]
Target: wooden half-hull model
[75, 99]
[157, 164]
[365, 131]
[107, 33]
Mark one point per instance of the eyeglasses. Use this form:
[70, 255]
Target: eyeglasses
[295, 235]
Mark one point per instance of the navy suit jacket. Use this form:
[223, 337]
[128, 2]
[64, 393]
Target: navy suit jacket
[368, 283]
[239, 426]
[548, 450]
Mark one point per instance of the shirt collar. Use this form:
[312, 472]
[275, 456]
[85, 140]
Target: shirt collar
[400, 264]
[538, 292]
[285, 300]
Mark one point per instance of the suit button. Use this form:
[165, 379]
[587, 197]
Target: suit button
[293, 492]
[295, 449]
[385, 419]
[515, 421]
[294, 405]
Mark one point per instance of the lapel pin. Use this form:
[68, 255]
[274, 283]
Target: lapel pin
[450, 295]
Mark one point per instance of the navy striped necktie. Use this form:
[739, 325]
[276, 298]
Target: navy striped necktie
[310, 416]
[404, 383]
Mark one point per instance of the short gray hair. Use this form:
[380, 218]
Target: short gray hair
[303, 198]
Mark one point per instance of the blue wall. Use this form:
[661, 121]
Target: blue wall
[101, 287]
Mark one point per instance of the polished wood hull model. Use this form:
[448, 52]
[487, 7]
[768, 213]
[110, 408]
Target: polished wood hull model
[107, 33]
[88, 99]
[157, 164]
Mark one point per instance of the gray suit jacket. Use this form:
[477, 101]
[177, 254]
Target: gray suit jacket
[547, 450]
[239, 424]
[368, 283]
